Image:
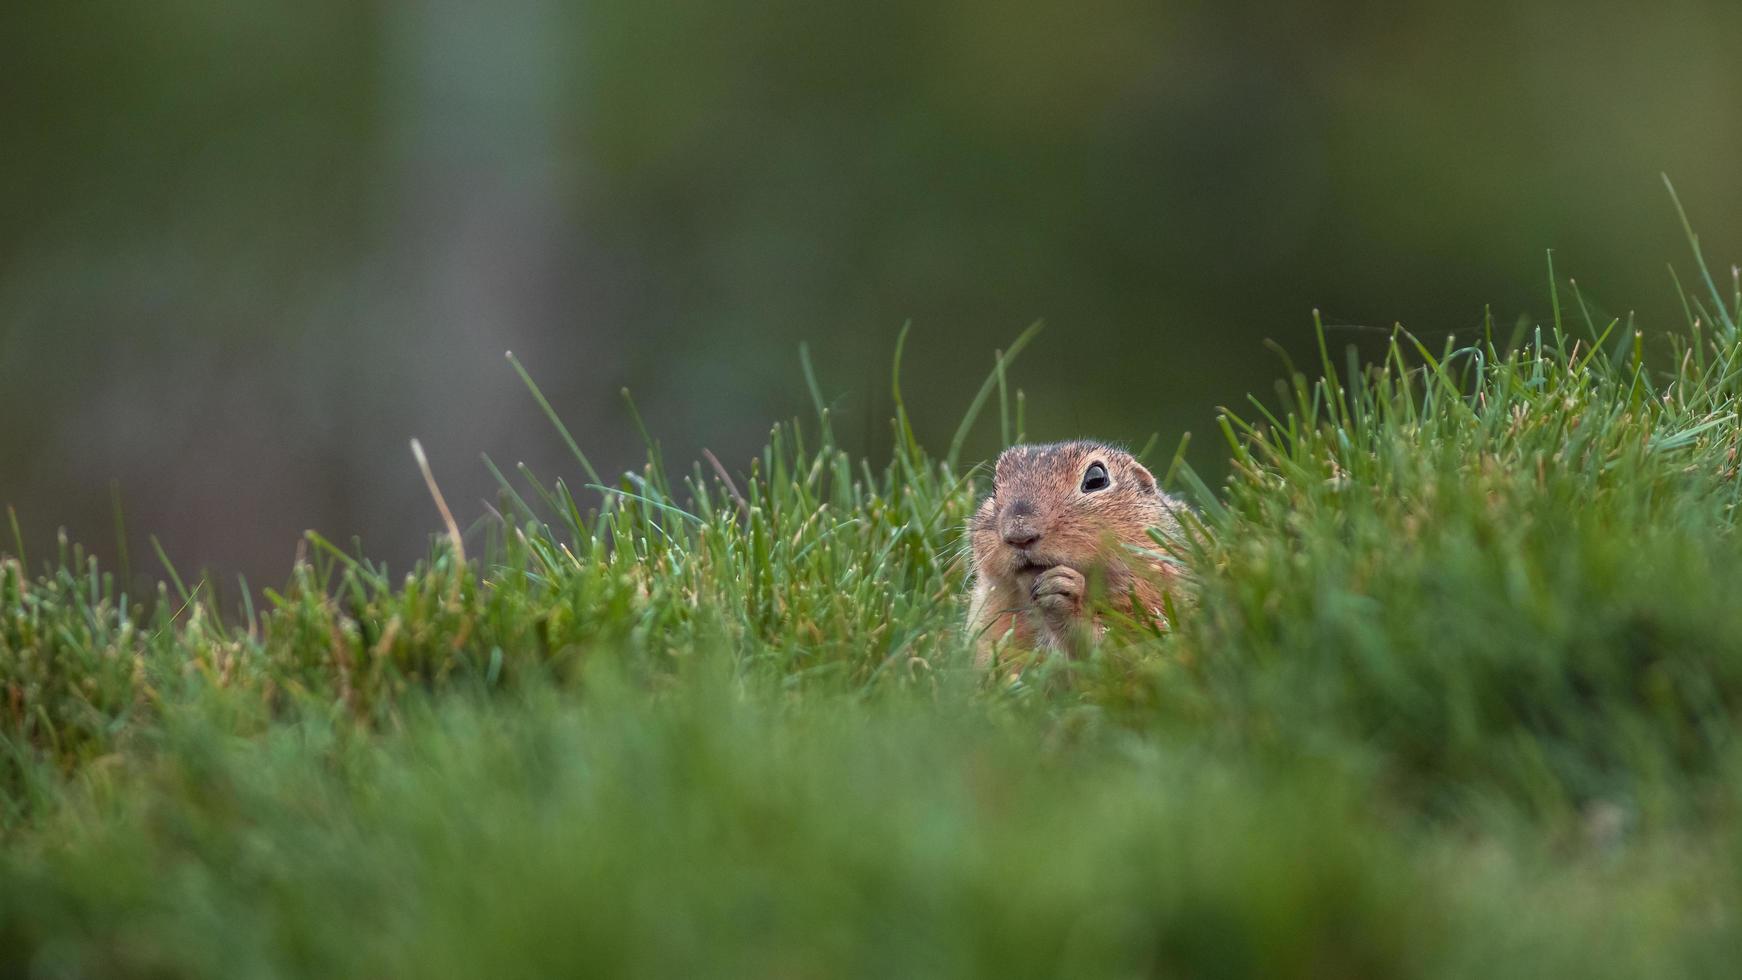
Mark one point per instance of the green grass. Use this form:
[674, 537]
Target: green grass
[1458, 698]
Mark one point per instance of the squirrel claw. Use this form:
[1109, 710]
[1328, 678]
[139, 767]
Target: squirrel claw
[1059, 591]
[1058, 580]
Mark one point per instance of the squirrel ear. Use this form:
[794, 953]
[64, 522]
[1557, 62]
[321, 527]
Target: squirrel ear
[1145, 479]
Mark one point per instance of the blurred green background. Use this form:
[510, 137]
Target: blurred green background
[248, 250]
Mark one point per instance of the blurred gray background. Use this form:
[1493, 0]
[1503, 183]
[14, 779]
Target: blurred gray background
[248, 250]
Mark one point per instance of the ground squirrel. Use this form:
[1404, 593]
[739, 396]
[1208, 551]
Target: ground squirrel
[1062, 518]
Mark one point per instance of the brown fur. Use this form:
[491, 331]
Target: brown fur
[1037, 593]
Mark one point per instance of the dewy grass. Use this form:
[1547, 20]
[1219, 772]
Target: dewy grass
[1458, 696]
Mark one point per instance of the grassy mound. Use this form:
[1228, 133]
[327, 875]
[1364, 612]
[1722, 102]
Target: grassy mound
[1459, 694]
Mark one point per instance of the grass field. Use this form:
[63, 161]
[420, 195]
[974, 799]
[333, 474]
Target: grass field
[1459, 698]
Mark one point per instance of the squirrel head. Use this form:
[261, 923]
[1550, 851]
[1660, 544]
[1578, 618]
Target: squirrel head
[1064, 503]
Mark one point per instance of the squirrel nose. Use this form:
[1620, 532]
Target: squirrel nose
[1019, 530]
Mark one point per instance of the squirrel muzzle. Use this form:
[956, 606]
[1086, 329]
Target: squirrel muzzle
[1018, 525]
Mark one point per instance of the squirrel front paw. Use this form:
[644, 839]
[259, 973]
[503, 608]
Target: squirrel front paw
[1058, 592]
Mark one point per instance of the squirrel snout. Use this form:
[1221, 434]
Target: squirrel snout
[1018, 528]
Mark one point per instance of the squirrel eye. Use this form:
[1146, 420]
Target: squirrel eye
[1095, 478]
